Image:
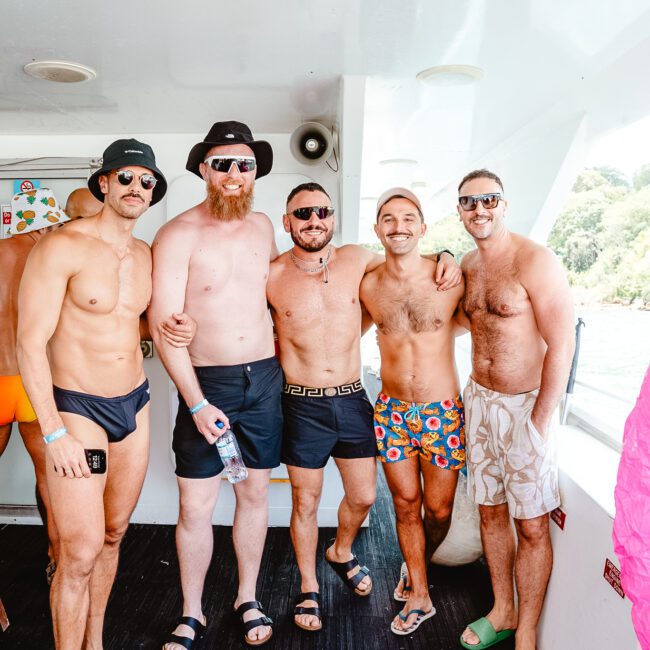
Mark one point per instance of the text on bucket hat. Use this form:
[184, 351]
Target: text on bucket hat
[123, 153]
[224, 133]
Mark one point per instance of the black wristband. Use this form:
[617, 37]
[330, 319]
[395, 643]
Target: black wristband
[441, 252]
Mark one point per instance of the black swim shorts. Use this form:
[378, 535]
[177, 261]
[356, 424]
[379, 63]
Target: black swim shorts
[324, 422]
[116, 415]
[250, 395]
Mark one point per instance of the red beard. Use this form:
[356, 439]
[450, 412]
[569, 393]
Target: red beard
[229, 208]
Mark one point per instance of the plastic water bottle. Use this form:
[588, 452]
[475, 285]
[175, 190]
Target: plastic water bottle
[231, 456]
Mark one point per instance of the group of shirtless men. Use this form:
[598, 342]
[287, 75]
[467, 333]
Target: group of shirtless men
[78, 320]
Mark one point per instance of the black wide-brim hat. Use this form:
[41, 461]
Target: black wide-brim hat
[223, 133]
[123, 153]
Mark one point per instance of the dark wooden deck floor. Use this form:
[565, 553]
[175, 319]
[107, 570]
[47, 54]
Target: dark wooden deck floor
[146, 596]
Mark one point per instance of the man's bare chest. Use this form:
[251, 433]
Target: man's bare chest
[112, 286]
[494, 293]
[410, 309]
[298, 296]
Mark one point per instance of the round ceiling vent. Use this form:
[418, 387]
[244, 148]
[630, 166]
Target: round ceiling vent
[65, 72]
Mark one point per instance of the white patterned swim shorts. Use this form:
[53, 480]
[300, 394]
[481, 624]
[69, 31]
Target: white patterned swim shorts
[508, 461]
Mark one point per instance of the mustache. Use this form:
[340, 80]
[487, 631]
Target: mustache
[133, 195]
[313, 229]
[404, 234]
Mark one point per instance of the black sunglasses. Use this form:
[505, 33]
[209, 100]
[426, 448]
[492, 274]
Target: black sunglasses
[126, 176]
[489, 201]
[304, 214]
[224, 163]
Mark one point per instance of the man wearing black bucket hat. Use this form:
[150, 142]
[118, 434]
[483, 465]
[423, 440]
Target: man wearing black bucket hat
[213, 260]
[82, 292]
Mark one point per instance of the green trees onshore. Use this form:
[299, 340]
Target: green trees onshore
[603, 236]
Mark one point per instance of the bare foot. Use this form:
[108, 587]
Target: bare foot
[365, 586]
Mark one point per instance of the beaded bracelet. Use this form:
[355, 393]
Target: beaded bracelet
[55, 435]
[197, 407]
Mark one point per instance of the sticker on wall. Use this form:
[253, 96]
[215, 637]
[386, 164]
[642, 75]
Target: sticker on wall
[25, 185]
[558, 516]
[613, 575]
[6, 221]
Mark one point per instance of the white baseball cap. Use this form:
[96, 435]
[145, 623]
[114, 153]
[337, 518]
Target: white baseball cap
[395, 192]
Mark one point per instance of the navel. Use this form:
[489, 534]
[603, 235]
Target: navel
[207, 288]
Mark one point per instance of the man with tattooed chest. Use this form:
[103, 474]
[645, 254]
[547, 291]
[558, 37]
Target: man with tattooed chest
[520, 313]
[419, 412]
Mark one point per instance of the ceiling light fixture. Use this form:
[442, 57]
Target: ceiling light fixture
[60, 71]
[398, 161]
[450, 75]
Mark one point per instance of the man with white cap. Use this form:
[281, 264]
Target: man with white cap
[81, 296]
[34, 213]
[419, 419]
[313, 290]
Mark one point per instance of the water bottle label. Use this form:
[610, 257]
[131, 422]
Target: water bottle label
[227, 450]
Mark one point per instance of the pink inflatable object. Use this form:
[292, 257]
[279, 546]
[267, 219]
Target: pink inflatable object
[632, 521]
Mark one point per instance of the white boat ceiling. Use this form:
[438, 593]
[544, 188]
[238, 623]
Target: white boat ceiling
[556, 75]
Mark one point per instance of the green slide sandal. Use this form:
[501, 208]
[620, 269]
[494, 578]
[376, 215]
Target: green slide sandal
[486, 633]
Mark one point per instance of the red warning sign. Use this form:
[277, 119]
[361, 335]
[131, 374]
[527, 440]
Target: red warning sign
[6, 216]
[613, 576]
[26, 185]
[558, 516]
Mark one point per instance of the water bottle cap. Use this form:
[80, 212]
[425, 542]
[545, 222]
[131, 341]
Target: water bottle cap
[220, 424]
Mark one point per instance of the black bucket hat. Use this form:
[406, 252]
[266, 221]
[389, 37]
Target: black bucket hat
[223, 133]
[122, 153]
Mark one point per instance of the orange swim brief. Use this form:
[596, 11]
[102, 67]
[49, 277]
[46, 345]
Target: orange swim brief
[14, 403]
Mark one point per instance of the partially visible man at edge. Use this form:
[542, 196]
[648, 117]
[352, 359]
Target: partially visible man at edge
[213, 261]
[419, 413]
[520, 313]
[33, 217]
[313, 291]
[84, 317]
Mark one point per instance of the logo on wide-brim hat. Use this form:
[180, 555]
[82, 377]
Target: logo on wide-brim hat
[123, 153]
[223, 133]
[35, 209]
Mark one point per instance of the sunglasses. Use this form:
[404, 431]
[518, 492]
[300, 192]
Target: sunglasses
[126, 176]
[489, 201]
[224, 163]
[304, 214]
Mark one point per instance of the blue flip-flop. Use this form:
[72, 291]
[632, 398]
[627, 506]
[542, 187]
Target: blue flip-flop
[403, 578]
[486, 633]
[422, 616]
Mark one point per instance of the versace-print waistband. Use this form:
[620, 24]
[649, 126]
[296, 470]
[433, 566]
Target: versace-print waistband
[330, 391]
